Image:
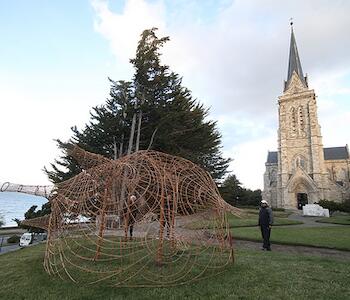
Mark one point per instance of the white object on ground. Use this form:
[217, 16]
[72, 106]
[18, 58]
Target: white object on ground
[315, 210]
[26, 239]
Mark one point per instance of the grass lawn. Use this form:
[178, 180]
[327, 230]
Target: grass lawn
[249, 219]
[337, 237]
[255, 275]
[343, 220]
[276, 213]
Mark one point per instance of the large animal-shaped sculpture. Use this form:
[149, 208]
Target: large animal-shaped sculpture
[130, 221]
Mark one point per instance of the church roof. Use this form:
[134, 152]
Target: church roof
[272, 157]
[336, 153]
[294, 63]
[332, 153]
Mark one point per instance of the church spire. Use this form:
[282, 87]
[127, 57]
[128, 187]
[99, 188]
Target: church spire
[294, 61]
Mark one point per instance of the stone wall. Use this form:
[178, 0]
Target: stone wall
[270, 184]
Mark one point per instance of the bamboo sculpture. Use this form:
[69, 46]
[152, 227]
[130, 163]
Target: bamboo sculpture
[127, 222]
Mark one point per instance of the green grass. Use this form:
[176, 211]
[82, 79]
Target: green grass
[246, 220]
[255, 275]
[337, 237]
[124, 261]
[276, 213]
[343, 220]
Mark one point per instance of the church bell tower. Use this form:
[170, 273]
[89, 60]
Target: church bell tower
[300, 176]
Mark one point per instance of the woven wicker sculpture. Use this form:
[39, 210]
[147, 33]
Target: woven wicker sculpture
[125, 222]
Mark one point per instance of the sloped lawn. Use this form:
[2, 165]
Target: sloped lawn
[255, 275]
[337, 237]
[247, 219]
[342, 220]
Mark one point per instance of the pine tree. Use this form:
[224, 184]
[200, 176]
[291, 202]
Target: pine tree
[154, 111]
[231, 189]
[232, 192]
[32, 213]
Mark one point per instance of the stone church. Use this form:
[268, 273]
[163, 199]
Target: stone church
[302, 171]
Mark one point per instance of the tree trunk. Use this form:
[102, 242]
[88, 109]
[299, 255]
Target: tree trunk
[152, 138]
[121, 145]
[132, 133]
[115, 148]
[137, 147]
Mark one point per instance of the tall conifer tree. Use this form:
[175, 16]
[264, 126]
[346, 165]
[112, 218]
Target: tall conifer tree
[154, 111]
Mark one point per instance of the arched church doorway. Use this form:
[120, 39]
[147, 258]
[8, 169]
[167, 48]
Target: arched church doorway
[302, 199]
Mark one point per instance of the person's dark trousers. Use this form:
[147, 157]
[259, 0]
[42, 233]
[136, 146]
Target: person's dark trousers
[131, 229]
[265, 233]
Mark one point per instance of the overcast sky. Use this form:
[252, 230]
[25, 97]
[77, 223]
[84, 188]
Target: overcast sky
[55, 57]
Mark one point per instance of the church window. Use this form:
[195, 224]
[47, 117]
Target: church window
[300, 162]
[345, 174]
[272, 176]
[330, 174]
[293, 119]
[301, 118]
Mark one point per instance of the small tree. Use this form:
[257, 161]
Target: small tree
[250, 197]
[152, 111]
[232, 192]
[336, 206]
[33, 213]
[231, 189]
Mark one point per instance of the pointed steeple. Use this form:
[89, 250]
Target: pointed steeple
[294, 61]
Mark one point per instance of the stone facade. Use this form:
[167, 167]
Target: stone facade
[299, 173]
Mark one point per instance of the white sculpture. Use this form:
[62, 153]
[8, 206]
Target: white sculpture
[315, 210]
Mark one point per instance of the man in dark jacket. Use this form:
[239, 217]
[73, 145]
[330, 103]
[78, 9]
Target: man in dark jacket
[265, 223]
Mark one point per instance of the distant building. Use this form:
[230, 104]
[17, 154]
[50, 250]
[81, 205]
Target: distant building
[302, 171]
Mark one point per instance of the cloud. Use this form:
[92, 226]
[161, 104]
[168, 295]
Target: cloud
[123, 30]
[30, 120]
[233, 55]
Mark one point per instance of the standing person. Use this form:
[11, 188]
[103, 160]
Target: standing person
[265, 223]
[130, 215]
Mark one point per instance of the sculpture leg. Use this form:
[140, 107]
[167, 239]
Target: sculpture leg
[232, 254]
[102, 216]
[126, 225]
[161, 233]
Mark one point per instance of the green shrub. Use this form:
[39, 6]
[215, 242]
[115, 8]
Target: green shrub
[335, 206]
[278, 209]
[346, 205]
[248, 206]
[14, 239]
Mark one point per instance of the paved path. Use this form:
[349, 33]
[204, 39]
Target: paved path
[299, 250]
[6, 247]
[14, 247]
[9, 248]
[308, 221]
[296, 250]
